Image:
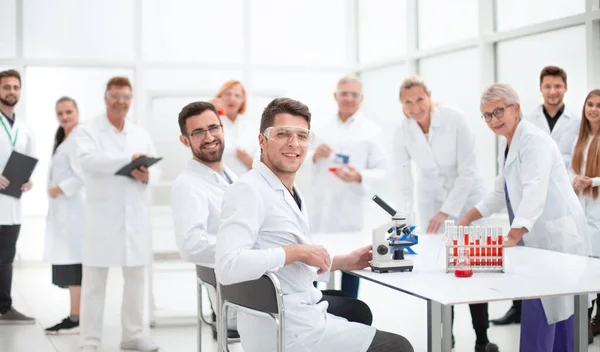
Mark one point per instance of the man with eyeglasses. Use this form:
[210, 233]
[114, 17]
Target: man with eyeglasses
[562, 126]
[264, 228]
[117, 217]
[348, 160]
[199, 188]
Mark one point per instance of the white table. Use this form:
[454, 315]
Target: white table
[530, 273]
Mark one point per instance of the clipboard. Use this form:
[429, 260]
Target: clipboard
[136, 164]
[18, 171]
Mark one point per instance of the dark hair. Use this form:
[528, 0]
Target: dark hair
[118, 81]
[59, 137]
[283, 106]
[10, 73]
[553, 71]
[193, 109]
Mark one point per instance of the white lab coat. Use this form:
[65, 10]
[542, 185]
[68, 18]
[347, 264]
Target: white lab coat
[448, 177]
[117, 211]
[591, 206]
[196, 199]
[242, 133]
[336, 205]
[543, 202]
[63, 242]
[564, 133]
[10, 208]
[260, 217]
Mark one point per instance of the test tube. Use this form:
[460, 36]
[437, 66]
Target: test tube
[471, 245]
[478, 245]
[500, 244]
[455, 243]
[488, 242]
[495, 247]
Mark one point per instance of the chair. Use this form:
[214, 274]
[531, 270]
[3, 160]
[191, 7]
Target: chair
[206, 277]
[262, 297]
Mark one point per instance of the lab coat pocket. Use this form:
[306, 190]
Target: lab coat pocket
[563, 235]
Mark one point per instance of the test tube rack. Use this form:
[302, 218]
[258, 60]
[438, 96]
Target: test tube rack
[482, 247]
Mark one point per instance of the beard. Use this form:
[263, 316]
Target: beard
[212, 156]
[9, 103]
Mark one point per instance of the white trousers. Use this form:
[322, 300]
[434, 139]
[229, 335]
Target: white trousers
[93, 293]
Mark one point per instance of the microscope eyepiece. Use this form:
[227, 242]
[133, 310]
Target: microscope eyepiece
[384, 205]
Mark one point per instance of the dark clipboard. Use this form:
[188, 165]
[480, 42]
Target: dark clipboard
[18, 171]
[136, 164]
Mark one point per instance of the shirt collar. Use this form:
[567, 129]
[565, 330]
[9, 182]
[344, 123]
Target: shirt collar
[11, 122]
[350, 120]
[558, 113]
[106, 125]
[206, 172]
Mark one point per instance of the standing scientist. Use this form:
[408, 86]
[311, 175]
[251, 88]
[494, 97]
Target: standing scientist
[14, 136]
[338, 198]
[117, 217]
[438, 140]
[63, 244]
[543, 210]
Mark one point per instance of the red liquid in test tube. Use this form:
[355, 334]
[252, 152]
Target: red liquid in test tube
[478, 249]
[500, 241]
[488, 241]
[494, 250]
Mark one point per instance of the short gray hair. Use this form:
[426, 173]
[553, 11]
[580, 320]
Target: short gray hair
[349, 79]
[414, 81]
[499, 91]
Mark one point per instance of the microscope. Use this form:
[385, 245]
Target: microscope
[390, 241]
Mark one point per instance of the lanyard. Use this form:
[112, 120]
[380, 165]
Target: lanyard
[13, 141]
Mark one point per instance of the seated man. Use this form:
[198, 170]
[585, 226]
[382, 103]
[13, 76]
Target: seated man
[198, 190]
[264, 227]
[196, 203]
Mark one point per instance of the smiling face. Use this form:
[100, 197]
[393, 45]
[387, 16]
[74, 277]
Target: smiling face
[348, 97]
[118, 100]
[416, 104]
[204, 137]
[10, 91]
[233, 99]
[553, 90]
[284, 155]
[67, 115]
[504, 117]
[592, 110]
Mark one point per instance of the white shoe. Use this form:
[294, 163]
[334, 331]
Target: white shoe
[142, 345]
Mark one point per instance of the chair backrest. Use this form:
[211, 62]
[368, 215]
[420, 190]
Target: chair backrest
[207, 275]
[261, 294]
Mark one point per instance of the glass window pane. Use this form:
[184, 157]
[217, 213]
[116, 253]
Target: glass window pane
[298, 32]
[382, 105]
[8, 29]
[190, 30]
[443, 84]
[42, 87]
[521, 60]
[443, 22]
[517, 13]
[72, 29]
[174, 79]
[381, 29]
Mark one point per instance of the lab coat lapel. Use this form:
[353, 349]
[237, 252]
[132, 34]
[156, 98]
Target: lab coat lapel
[562, 123]
[540, 120]
[276, 184]
[515, 144]
[423, 154]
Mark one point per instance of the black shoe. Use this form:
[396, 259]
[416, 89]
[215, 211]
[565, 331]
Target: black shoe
[65, 327]
[488, 347]
[14, 317]
[512, 316]
[590, 333]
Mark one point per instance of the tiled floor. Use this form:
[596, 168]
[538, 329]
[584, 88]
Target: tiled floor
[175, 294]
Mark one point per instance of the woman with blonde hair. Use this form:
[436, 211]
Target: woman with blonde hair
[586, 180]
[241, 144]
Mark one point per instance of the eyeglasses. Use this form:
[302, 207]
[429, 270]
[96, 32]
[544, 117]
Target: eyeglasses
[200, 134]
[286, 134]
[345, 94]
[237, 96]
[499, 112]
[126, 97]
